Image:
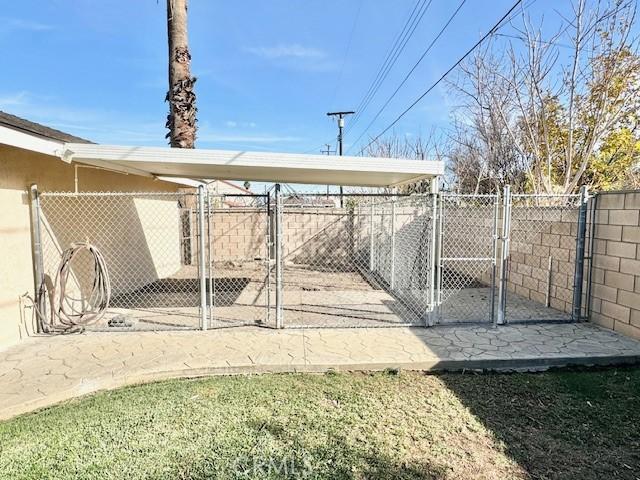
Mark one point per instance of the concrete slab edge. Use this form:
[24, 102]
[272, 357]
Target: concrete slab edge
[91, 386]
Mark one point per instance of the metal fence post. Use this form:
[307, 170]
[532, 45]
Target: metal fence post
[439, 264]
[278, 255]
[372, 238]
[210, 276]
[506, 227]
[38, 259]
[392, 279]
[494, 263]
[578, 275]
[432, 253]
[201, 259]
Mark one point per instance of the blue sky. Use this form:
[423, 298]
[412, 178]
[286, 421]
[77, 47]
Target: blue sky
[267, 71]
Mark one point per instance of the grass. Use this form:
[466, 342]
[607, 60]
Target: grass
[565, 424]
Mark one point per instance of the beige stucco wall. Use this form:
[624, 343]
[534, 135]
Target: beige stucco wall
[18, 170]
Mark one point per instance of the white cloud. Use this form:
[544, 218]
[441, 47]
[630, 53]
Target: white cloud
[286, 51]
[13, 99]
[234, 124]
[7, 24]
[261, 138]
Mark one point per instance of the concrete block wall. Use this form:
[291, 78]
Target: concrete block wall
[239, 235]
[538, 233]
[615, 291]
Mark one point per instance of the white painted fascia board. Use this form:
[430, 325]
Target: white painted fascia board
[187, 182]
[173, 162]
[28, 141]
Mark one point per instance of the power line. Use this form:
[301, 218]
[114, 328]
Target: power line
[346, 52]
[402, 38]
[442, 77]
[404, 80]
[393, 54]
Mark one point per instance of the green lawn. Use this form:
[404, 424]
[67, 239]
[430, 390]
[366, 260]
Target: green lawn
[569, 424]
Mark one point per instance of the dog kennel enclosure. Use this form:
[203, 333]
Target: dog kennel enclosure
[198, 260]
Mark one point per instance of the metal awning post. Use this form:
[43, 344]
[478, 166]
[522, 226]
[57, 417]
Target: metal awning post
[201, 260]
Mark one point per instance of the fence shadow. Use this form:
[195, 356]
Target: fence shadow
[172, 292]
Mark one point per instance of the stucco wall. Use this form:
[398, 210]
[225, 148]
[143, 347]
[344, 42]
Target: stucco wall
[18, 170]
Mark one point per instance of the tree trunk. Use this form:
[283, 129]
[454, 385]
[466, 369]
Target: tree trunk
[181, 120]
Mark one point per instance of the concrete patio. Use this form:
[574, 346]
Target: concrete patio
[42, 371]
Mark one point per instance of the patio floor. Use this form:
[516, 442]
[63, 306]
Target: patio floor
[42, 371]
[311, 297]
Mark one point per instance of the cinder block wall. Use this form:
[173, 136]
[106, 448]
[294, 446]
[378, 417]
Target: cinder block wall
[538, 233]
[615, 295]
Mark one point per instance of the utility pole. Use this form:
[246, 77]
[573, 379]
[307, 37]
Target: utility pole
[340, 116]
[328, 151]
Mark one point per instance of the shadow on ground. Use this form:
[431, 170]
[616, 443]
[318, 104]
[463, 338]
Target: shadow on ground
[179, 292]
[560, 424]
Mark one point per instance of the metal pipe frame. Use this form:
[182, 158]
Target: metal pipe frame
[578, 275]
[433, 253]
[210, 259]
[392, 275]
[494, 261]
[278, 255]
[201, 259]
[269, 253]
[372, 238]
[506, 239]
[439, 262]
[38, 258]
[592, 233]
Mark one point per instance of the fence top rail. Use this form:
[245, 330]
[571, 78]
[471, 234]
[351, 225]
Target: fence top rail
[546, 195]
[148, 194]
[333, 194]
[470, 195]
[115, 194]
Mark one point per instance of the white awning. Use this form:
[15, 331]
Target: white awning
[253, 166]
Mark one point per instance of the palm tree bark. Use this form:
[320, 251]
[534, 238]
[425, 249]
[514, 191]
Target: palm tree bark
[181, 120]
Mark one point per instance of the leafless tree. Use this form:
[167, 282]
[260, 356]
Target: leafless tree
[537, 110]
[417, 148]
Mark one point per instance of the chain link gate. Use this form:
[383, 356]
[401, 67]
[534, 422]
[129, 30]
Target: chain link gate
[238, 253]
[468, 233]
[199, 260]
[543, 257]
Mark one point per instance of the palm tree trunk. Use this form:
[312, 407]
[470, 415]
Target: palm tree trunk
[181, 120]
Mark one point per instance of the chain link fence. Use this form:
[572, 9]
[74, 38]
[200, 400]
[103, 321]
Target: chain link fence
[184, 260]
[149, 242]
[541, 265]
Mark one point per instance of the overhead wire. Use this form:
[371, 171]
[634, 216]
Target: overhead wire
[409, 28]
[495, 27]
[408, 75]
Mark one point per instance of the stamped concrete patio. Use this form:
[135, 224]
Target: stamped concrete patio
[43, 370]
